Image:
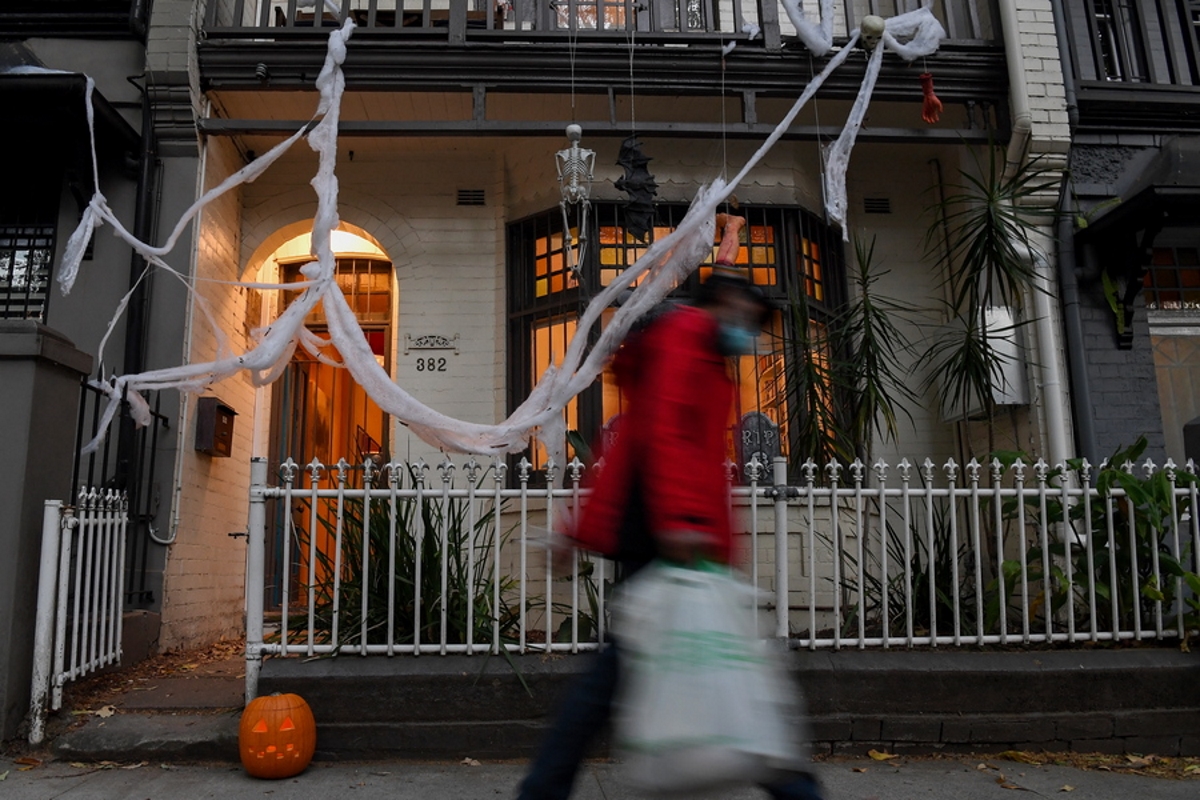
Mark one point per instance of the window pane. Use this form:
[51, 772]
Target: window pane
[550, 339]
[26, 252]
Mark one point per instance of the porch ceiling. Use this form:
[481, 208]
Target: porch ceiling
[264, 113]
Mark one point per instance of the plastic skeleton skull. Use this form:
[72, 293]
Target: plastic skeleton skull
[575, 165]
[871, 31]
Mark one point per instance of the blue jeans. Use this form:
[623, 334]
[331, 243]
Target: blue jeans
[584, 711]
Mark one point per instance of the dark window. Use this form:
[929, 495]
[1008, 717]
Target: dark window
[26, 257]
[1173, 281]
[1118, 41]
[784, 250]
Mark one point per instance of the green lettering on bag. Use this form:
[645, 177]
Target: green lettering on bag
[696, 650]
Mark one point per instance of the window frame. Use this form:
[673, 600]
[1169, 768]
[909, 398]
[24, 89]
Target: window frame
[793, 226]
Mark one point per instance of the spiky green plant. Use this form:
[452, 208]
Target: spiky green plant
[376, 568]
[981, 236]
[844, 378]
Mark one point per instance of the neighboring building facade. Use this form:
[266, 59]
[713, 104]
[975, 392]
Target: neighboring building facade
[451, 247]
[1132, 231]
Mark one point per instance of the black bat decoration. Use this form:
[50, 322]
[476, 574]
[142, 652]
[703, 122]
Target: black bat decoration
[641, 187]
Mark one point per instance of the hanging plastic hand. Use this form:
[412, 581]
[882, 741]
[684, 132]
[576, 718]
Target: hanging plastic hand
[931, 112]
[730, 228]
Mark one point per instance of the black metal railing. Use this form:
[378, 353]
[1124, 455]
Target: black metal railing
[74, 18]
[964, 20]
[1136, 41]
[124, 461]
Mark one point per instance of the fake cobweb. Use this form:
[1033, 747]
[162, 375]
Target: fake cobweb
[666, 263]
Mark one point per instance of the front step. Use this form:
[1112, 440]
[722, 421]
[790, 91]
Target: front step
[1123, 700]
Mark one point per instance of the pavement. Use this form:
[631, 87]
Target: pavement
[172, 733]
[946, 778]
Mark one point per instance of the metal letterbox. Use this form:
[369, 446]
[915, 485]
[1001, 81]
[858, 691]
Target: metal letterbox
[214, 427]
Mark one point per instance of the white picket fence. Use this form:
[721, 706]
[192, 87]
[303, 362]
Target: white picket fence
[80, 596]
[1020, 554]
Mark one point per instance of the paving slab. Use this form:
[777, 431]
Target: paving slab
[849, 779]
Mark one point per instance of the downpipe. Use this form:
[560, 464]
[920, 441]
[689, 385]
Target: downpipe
[1058, 441]
[1022, 119]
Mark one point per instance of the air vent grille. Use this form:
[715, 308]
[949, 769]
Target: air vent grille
[471, 197]
[877, 205]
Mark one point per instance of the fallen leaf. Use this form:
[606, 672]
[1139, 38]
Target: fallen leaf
[27, 761]
[1139, 761]
[860, 769]
[981, 766]
[106, 712]
[1007, 785]
[189, 666]
[881, 756]
[1192, 768]
[136, 766]
[1020, 755]
[469, 762]
[1067, 788]
[78, 765]
[3, 775]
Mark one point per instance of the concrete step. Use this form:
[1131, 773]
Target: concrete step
[1137, 700]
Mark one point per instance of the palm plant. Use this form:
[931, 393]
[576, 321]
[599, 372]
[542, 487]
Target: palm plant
[382, 566]
[845, 383]
[982, 238]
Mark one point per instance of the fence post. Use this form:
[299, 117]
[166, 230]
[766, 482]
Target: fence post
[781, 548]
[255, 566]
[43, 635]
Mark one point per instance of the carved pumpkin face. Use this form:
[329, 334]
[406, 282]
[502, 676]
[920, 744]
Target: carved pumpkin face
[277, 736]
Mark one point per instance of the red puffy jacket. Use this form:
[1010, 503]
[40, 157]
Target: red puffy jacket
[671, 437]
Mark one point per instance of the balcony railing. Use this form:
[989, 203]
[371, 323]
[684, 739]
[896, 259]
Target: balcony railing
[1153, 42]
[964, 20]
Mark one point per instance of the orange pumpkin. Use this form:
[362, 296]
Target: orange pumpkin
[277, 736]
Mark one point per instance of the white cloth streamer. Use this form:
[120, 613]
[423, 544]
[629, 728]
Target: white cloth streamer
[664, 265]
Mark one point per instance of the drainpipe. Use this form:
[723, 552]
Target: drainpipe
[1068, 65]
[1058, 441]
[1053, 391]
[1022, 120]
[1068, 265]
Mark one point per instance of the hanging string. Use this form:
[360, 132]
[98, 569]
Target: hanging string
[820, 148]
[724, 138]
[632, 97]
[572, 39]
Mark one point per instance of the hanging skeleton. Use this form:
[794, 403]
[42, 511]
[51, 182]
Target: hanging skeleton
[575, 168]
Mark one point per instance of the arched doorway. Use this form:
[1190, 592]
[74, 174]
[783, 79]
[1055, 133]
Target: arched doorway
[318, 410]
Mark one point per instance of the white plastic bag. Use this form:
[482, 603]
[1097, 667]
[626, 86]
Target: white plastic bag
[702, 702]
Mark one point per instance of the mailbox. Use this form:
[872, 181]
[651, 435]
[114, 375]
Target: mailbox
[214, 427]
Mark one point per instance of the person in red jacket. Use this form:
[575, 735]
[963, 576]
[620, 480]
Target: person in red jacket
[662, 492]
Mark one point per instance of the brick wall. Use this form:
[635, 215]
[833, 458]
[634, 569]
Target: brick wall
[203, 585]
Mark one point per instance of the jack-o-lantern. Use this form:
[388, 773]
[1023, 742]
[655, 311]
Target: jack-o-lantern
[277, 736]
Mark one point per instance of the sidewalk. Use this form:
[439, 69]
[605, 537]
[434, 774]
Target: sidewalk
[959, 778]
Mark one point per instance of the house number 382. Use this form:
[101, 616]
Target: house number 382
[431, 364]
